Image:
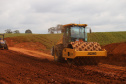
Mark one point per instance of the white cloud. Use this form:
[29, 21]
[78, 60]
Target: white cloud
[39, 15]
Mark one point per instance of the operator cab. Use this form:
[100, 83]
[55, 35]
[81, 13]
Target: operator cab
[76, 32]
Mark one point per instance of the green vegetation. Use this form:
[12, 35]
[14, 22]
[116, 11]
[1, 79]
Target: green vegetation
[46, 39]
[50, 39]
[15, 35]
[107, 37]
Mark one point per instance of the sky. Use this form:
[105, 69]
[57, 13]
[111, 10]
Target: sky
[39, 15]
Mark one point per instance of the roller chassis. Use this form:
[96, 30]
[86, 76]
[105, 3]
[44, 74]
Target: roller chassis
[75, 56]
[77, 50]
[3, 43]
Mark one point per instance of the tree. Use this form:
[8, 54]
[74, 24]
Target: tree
[51, 30]
[16, 31]
[59, 27]
[8, 31]
[28, 31]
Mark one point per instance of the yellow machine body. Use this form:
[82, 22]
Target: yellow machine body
[74, 45]
[72, 53]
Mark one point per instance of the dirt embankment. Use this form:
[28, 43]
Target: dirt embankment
[116, 53]
[116, 48]
[31, 67]
[36, 46]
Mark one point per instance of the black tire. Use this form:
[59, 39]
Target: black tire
[6, 47]
[52, 51]
[58, 53]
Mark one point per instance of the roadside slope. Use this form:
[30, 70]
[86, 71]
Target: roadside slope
[39, 42]
[33, 53]
[116, 54]
[44, 42]
[105, 38]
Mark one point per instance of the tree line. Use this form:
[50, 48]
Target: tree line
[51, 30]
[17, 31]
[56, 29]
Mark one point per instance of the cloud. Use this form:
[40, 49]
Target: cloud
[39, 15]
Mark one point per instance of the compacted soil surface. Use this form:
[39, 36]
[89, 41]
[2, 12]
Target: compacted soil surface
[116, 54]
[25, 66]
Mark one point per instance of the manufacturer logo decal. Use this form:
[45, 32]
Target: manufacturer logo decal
[92, 53]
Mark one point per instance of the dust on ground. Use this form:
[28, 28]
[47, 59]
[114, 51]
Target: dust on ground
[23, 66]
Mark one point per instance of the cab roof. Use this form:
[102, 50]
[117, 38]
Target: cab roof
[72, 25]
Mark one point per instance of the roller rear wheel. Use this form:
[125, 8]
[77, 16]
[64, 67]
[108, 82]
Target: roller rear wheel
[6, 47]
[58, 53]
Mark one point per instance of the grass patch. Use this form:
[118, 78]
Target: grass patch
[50, 39]
[46, 39]
[107, 37]
[15, 35]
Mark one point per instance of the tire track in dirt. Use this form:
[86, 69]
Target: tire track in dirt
[32, 53]
[105, 71]
[112, 67]
[26, 69]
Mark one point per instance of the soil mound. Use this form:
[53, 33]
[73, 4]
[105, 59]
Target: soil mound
[116, 54]
[27, 45]
[116, 48]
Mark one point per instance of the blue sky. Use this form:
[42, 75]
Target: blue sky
[39, 15]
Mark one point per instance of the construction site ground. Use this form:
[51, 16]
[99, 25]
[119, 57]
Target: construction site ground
[27, 65]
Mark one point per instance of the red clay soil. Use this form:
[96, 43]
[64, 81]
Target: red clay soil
[28, 45]
[116, 53]
[116, 48]
[18, 68]
[10, 42]
[24, 68]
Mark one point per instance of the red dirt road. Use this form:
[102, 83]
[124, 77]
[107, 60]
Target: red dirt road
[18, 65]
[26, 67]
[33, 53]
